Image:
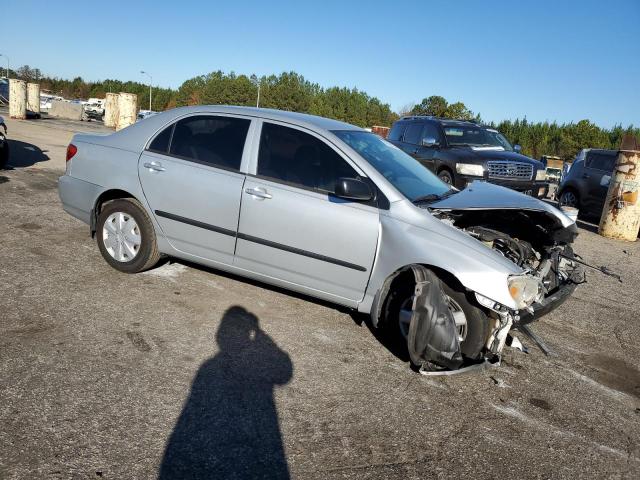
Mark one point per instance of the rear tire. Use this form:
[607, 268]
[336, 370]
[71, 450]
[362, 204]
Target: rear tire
[132, 248]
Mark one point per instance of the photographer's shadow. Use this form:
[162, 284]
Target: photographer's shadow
[229, 425]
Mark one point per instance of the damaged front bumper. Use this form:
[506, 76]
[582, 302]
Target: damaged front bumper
[432, 340]
[546, 304]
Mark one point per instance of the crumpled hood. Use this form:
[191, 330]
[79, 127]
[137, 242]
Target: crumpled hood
[487, 196]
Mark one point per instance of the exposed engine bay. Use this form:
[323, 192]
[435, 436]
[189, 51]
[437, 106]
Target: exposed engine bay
[534, 241]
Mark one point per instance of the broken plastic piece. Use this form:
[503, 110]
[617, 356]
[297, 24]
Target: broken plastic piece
[500, 383]
[433, 336]
[514, 342]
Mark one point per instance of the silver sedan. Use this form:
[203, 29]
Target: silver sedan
[330, 210]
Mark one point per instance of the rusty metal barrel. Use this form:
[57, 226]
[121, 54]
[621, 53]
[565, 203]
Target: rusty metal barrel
[621, 215]
[111, 110]
[127, 110]
[17, 98]
[33, 97]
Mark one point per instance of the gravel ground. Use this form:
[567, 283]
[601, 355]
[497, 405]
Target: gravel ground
[108, 375]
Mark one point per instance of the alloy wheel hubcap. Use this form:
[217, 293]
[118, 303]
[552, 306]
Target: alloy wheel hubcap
[568, 199]
[406, 312]
[121, 237]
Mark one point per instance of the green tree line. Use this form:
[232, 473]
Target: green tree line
[291, 91]
[287, 91]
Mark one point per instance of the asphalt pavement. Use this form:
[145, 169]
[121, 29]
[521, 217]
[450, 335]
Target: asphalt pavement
[109, 375]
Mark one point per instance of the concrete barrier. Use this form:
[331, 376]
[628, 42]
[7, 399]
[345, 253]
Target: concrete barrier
[621, 214]
[111, 110]
[127, 110]
[17, 98]
[71, 111]
[33, 97]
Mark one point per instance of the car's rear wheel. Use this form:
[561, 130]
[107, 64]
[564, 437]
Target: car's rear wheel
[569, 198]
[446, 176]
[126, 237]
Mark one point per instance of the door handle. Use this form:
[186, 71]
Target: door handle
[154, 166]
[258, 193]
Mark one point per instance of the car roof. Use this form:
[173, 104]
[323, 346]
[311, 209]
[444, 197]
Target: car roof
[135, 136]
[602, 150]
[297, 118]
[447, 122]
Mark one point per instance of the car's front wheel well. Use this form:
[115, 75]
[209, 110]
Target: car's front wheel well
[569, 189]
[472, 323]
[104, 198]
[444, 167]
[404, 278]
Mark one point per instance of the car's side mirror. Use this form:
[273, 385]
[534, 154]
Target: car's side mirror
[517, 148]
[605, 180]
[353, 189]
[430, 142]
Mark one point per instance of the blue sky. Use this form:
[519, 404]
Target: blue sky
[548, 60]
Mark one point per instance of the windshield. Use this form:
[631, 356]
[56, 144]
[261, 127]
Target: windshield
[412, 179]
[476, 137]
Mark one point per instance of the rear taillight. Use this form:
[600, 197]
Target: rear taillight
[71, 151]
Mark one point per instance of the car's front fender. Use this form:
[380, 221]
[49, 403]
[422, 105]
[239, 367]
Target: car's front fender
[475, 266]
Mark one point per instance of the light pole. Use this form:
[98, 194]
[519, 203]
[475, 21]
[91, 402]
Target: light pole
[256, 80]
[1, 55]
[150, 82]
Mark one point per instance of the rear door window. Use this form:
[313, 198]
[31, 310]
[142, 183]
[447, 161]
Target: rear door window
[600, 161]
[300, 159]
[413, 132]
[210, 140]
[160, 144]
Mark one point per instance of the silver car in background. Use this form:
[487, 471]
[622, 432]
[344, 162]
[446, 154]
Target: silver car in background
[330, 210]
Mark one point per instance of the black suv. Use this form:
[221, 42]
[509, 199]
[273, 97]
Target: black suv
[586, 184]
[460, 151]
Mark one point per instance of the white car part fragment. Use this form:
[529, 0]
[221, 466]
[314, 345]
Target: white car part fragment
[498, 337]
[490, 304]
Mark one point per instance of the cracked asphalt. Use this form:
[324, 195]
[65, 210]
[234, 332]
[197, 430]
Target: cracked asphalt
[108, 375]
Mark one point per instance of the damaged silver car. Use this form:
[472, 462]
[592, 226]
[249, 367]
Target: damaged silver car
[330, 210]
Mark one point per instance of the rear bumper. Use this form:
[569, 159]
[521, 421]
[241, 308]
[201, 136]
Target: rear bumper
[78, 197]
[538, 189]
